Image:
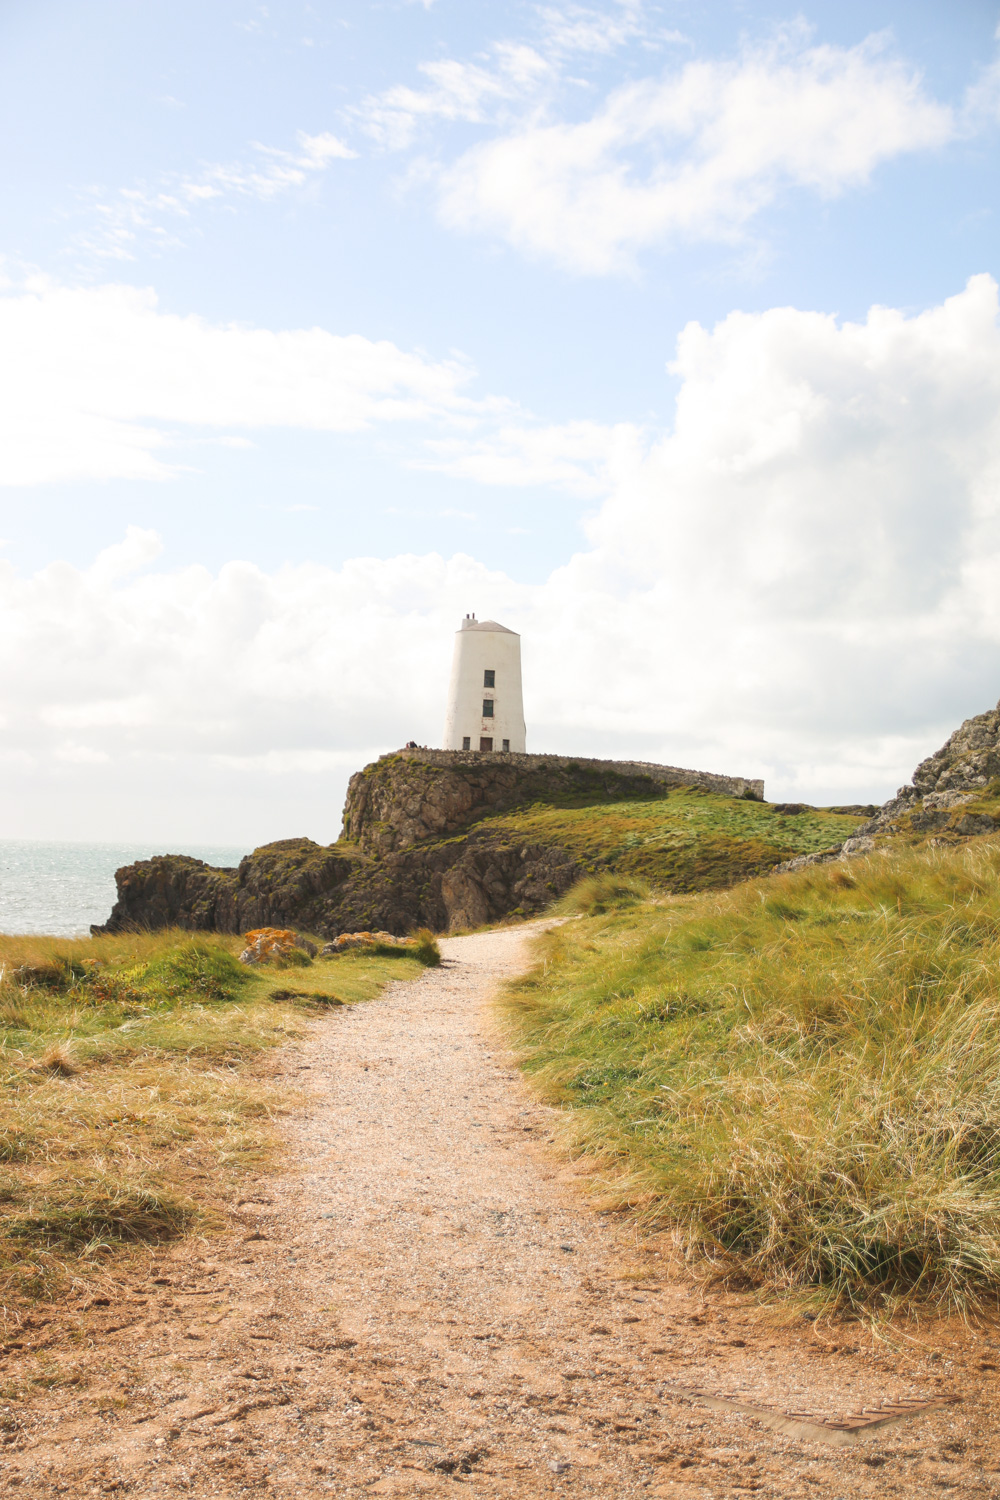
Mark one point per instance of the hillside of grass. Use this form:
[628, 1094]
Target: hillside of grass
[799, 1076]
[684, 840]
[130, 1104]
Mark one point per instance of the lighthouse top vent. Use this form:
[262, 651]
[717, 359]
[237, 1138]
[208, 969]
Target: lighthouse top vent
[471, 623]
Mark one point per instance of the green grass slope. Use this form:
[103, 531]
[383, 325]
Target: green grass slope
[801, 1075]
[686, 840]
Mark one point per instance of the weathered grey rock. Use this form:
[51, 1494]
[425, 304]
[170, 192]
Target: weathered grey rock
[969, 758]
[957, 773]
[858, 843]
[945, 801]
[954, 775]
[803, 861]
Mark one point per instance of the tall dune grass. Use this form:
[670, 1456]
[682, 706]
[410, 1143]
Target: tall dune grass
[802, 1074]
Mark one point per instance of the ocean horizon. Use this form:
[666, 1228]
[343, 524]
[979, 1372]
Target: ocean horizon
[60, 888]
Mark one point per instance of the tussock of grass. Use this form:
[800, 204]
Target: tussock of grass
[802, 1074]
[598, 894]
[425, 948]
[129, 1104]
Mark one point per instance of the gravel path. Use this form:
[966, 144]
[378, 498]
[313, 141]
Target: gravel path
[426, 1302]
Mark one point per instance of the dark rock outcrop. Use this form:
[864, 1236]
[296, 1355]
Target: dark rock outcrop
[288, 883]
[415, 850]
[328, 890]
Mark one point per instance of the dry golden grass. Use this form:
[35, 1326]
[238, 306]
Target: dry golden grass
[132, 1100]
[801, 1076]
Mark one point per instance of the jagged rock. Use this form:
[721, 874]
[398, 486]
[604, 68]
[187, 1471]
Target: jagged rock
[290, 882]
[969, 758]
[960, 772]
[338, 889]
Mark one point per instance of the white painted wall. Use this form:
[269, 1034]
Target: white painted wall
[481, 646]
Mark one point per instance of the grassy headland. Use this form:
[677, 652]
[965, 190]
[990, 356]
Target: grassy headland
[801, 1075]
[684, 840]
[129, 1103]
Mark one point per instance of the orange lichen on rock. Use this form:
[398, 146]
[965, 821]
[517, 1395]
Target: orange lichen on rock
[265, 943]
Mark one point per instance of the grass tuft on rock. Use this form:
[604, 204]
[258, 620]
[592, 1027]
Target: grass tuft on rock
[800, 1075]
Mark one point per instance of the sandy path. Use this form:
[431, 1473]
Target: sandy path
[426, 1302]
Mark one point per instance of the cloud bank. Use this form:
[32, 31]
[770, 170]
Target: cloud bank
[800, 579]
[95, 381]
[101, 383]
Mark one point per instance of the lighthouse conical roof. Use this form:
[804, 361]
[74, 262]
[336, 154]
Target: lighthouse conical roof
[469, 624]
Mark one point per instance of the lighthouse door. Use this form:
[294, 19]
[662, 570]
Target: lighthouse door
[485, 743]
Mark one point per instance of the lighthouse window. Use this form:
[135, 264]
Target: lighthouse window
[489, 678]
[506, 744]
[466, 742]
[487, 708]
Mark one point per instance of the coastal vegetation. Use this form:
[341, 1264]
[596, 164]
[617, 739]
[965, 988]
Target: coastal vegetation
[134, 1099]
[799, 1078]
[685, 839]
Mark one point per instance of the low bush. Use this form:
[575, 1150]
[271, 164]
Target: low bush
[801, 1075]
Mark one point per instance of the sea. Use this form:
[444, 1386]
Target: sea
[61, 888]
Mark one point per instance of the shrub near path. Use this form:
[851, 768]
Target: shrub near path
[131, 1103]
[801, 1075]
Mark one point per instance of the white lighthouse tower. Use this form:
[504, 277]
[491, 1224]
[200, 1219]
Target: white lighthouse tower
[485, 710]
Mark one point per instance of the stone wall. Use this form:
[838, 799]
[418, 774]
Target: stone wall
[709, 781]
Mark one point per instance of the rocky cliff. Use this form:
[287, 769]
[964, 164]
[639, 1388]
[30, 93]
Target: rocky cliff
[413, 795]
[422, 846]
[954, 795]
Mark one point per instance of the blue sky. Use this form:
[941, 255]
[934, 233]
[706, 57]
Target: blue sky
[324, 323]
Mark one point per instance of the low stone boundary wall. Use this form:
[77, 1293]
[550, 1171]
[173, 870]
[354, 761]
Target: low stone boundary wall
[730, 786]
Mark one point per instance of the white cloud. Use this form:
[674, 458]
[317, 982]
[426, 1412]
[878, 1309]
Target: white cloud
[580, 458]
[455, 91]
[694, 154]
[91, 378]
[801, 579]
[572, 29]
[155, 214]
[510, 73]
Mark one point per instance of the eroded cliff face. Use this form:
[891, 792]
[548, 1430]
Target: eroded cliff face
[174, 890]
[332, 889]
